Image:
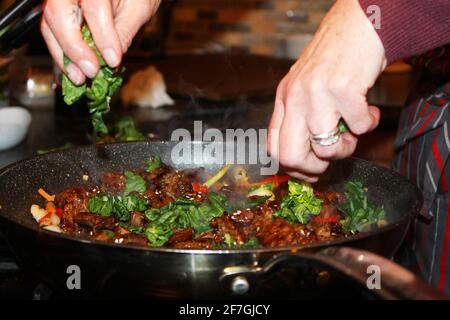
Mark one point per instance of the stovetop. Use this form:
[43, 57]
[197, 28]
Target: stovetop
[15, 283]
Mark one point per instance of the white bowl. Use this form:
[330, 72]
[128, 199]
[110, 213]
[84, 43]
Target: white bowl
[14, 125]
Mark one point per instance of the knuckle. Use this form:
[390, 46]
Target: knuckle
[87, 6]
[294, 90]
[287, 161]
[340, 87]
[125, 39]
[316, 84]
[281, 89]
[49, 9]
[361, 126]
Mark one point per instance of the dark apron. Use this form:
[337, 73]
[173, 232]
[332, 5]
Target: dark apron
[422, 150]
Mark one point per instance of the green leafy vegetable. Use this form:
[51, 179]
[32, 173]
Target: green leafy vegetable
[263, 190]
[183, 213]
[229, 241]
[65, 146]
[218, 204]
[247, 203]
[158, 234]
[153, 163]
[265, 186]
[99, 92]
[126, 204]
[120, 206]
[359, 212]
[135, 183]
[252, 243]
[299, 205]
[131, 228]
[71, 92]
[101, 204]
[343, 127]
[126, 130]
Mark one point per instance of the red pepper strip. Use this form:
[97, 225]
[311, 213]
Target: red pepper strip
[329, 219]
[276, 181]
[59, 212]
[199, 188]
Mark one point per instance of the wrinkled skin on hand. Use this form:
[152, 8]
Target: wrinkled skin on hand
[113, 24]
[329, 81]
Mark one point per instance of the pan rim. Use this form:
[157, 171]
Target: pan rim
[267, 250]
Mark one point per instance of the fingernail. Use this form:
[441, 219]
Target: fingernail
[74, 74]
[111, 57]
[88, 68]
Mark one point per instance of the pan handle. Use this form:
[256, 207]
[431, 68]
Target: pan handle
[382, 277]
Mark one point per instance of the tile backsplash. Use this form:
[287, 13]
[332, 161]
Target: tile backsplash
[278, 28]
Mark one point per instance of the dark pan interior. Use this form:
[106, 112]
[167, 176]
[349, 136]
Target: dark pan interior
[60, 170]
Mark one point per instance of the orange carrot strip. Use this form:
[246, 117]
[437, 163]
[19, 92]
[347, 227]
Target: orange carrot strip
[50, 208]
[45, 195]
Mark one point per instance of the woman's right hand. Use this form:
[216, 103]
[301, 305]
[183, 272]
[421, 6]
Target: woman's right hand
[113, 24]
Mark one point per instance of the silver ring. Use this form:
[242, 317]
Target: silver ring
[326, 139]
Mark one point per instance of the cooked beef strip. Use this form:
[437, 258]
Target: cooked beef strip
[156, 173]
[157, 199]
[137, 219]
[243, 217]
[180, 235]
[225, 225]
[113, 182]
[166, 184]
[135, 239]
[203, 241]
[195, 244]
[94, 221]
[174, 183]
[71, 201]
[280, 233]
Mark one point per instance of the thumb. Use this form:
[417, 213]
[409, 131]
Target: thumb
[376, 115]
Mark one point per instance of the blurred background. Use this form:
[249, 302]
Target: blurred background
[221, 61]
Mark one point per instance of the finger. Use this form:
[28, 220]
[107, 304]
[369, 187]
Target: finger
[295, 147]
[62, 18]
[376, 115]
[99, 17]
[130, 18]
[349, 143]
[324, 118]
[276, 121]
[302, 176]
[72, 71]
[354, 109]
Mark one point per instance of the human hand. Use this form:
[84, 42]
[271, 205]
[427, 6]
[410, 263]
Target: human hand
[329, 81]
[113, 24]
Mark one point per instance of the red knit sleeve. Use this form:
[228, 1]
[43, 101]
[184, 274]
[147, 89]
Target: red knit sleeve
[410, 27]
